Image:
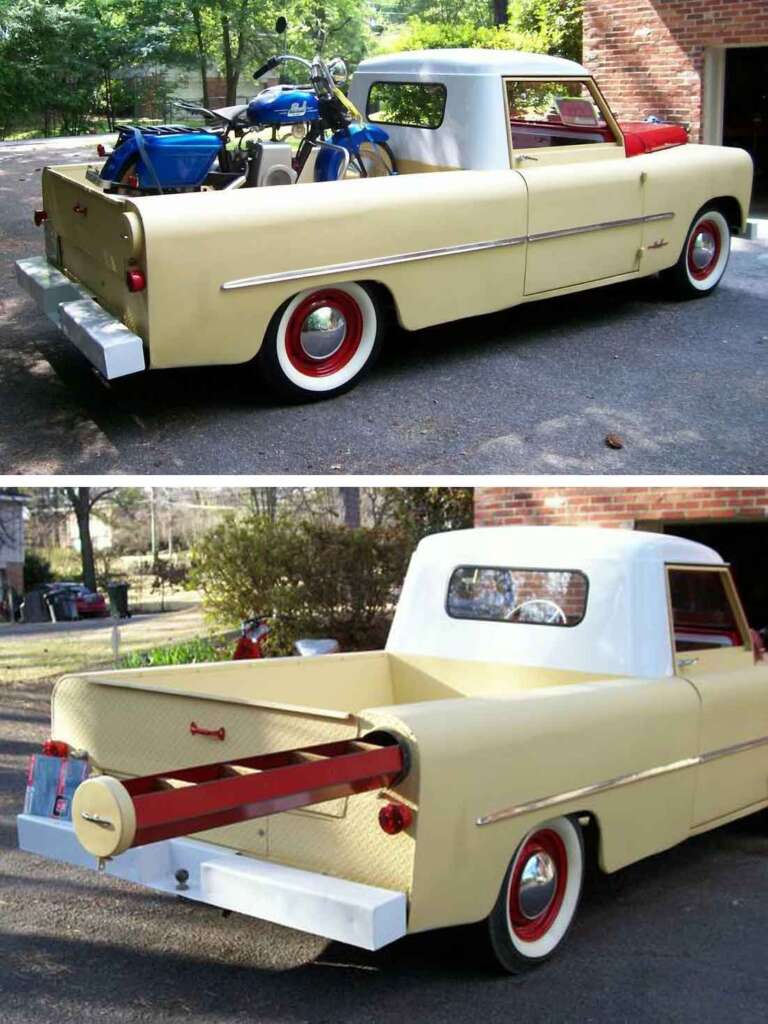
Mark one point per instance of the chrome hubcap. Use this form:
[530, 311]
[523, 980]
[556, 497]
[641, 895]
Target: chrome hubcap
[538, 884]
[703, 251]
[322, 332]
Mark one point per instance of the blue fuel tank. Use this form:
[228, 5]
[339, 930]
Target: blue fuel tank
[283, 105]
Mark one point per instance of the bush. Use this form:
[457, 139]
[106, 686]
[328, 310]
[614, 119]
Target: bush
[36, 570]
[307, 578]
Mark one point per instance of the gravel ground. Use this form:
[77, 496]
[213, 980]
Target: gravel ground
[678, 937]
[533, 389]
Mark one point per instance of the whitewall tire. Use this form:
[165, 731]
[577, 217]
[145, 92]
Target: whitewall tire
[539, 895]
[321, 342]
[704, 257]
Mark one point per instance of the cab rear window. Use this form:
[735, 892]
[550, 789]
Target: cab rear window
[411, 104]
[541, 597]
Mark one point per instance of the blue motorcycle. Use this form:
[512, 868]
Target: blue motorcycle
[174, 158]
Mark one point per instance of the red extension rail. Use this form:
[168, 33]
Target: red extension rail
[190, 800]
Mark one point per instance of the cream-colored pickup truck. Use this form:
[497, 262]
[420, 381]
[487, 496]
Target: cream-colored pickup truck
[546, 695]
[547, 194]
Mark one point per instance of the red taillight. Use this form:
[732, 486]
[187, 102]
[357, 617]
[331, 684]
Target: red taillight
[132, 181]
[394, 818]
[101, 150]
[39, 217]
[135, 280]
[56, 748]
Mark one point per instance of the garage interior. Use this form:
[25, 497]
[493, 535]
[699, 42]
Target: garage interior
[745, 112]
[745, 547]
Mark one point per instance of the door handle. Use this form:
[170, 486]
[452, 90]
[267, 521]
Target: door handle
[686, 662]
[524, 156]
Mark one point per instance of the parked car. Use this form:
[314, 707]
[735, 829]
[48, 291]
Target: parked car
[547, 194]
[88, 603]
[541, 687]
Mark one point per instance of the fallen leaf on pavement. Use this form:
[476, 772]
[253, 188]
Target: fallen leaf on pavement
[613, 441]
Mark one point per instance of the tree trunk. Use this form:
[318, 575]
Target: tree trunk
[500, 12]
[231, 73]
[80, 499]
[350, 496]
[201, 55]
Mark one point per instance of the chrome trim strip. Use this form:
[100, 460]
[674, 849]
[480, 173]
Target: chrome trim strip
[429, 254]
[586, 228]
[377, 261]
[621, 780]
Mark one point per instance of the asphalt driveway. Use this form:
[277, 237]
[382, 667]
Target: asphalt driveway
[679, 937]
[530, 390]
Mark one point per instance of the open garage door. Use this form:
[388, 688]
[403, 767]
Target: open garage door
[745, 547]
[745, 111]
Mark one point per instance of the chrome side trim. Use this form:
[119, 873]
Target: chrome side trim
[377, 261]
[603, 225]
[429, 254]
[621, 780]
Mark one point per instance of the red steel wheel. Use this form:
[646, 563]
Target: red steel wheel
[321, 341]
[539, 895]
[324, 332]
[704, 246]
[704, 258]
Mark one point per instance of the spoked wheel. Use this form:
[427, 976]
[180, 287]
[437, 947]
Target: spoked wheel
[321, 342]
[704, 257]
[376, 161]
[539, 896]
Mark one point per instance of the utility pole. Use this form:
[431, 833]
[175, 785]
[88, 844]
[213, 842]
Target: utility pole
[152, 525]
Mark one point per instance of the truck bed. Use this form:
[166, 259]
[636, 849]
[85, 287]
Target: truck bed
[137, 722]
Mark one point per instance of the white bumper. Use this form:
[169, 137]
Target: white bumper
[102, 338]
[360, 915]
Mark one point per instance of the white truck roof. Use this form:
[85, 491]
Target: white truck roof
[472, 134]
[427, 63]
[625, 630]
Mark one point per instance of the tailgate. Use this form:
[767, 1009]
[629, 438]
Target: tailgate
[93, 237]
[135, 728]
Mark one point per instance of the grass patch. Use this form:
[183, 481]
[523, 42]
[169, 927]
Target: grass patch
[29, 657]
[192, 652]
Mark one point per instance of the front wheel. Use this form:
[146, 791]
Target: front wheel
[538, 897]
[374, 160]
[321, 342]
[704, 257]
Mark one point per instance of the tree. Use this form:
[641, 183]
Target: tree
[82, 500]
[418, 512]
[350, 497]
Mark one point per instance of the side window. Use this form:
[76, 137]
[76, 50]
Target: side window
[556, 113]
[703, 614]
[412, 104]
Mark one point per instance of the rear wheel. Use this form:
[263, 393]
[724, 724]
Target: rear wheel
[321, 342]
[704, 257]
[538, 897]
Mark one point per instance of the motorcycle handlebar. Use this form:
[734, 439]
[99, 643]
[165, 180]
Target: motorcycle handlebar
[274, 62]
[267, 66]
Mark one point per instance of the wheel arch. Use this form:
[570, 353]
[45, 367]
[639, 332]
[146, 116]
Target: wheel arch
[731, 209]
[385, 300]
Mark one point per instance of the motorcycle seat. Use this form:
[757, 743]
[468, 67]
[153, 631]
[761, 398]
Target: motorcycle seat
[231, 113]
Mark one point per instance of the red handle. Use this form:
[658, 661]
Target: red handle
[217, 734]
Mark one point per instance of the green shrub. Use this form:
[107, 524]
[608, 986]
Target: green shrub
[188, 653]
[307, 578]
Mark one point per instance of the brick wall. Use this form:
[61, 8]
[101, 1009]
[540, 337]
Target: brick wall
[648, 55]
[619, 507]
